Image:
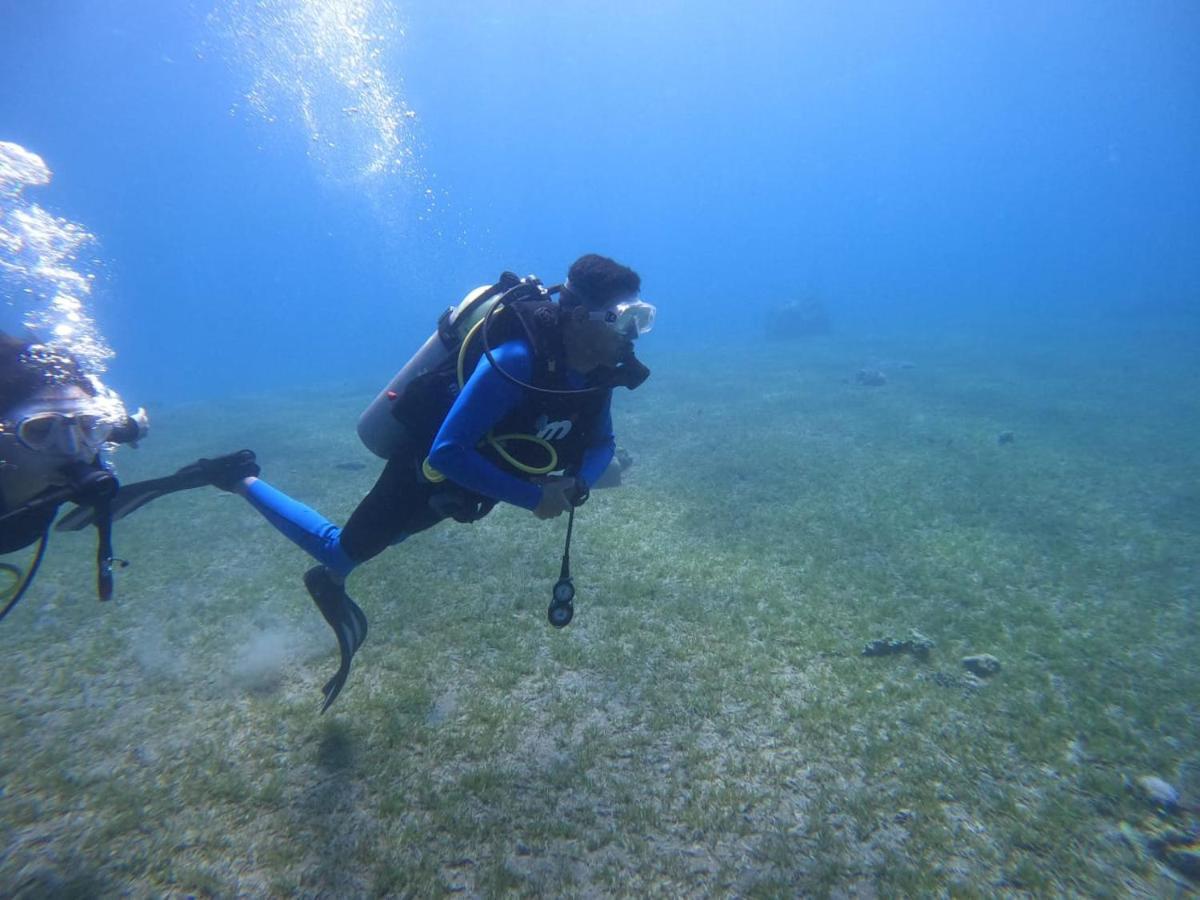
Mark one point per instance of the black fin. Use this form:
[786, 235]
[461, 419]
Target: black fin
[222, 472]
[344, 616]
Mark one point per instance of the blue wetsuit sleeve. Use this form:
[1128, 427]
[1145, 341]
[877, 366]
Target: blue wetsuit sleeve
[484, 400]
[597, 456]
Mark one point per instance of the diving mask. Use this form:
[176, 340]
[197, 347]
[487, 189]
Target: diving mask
[632, 318]
[50, 431]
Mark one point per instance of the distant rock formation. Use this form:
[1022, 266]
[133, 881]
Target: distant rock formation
[797, 318]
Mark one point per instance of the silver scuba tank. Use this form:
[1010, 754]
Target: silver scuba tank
[381, 432]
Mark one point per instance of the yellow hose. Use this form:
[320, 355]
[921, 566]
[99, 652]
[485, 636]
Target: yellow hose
[434, 476]
[9, 590]
[550, 466]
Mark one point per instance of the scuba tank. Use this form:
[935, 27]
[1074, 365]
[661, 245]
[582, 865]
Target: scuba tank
[386, 425]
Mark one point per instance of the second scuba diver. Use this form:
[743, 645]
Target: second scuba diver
[57, 424]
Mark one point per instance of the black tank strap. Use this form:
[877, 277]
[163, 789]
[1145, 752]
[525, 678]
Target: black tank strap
[104, 549]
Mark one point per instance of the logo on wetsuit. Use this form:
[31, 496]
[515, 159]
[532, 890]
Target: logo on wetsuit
[552, 431]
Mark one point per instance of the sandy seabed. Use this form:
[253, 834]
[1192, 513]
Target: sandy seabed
[708, 724]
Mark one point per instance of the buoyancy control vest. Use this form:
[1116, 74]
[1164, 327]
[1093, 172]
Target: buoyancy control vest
[561, 422]
[407, 414]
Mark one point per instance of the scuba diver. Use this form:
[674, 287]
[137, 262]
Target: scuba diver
[508, 401]
[57, 424]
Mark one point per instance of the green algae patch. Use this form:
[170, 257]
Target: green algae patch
[708, 723]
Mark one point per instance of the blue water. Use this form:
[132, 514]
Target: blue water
[924, 165]
[997, 204]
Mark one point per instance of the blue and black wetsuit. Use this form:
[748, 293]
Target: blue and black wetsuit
[404, 502]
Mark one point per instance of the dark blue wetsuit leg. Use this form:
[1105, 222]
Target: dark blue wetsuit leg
[303, 526]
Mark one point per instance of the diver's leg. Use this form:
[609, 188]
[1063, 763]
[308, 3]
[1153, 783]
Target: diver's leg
[396, 507]
[325, 583]
[300, 524]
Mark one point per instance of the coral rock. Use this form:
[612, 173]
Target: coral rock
[982, 664]
[1157, 791]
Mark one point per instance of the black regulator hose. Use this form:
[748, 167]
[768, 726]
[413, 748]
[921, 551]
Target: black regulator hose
[23, 586]
[88, 485]
[630, 373]
[96, 487]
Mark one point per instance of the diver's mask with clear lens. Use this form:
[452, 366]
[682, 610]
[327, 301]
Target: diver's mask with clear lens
[632, 318]
[68, 433]
[629, 318]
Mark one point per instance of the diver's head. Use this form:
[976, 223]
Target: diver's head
[50, 415]
[597, 281]
[604, 314]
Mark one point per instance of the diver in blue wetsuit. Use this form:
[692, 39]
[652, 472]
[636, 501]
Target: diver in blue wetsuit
[515, 411]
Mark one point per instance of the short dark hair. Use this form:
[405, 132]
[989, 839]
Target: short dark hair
[26, 365]
[596, 281]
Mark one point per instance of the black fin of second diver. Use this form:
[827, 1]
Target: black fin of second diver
[222, 472]
[129, 498]
[344, 616]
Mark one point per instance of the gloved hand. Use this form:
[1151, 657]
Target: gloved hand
[558, 494]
